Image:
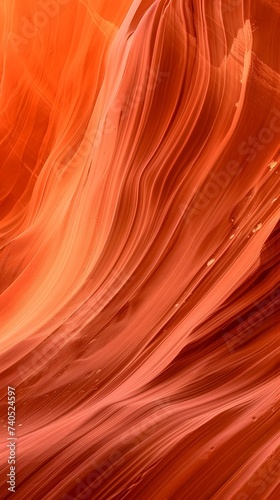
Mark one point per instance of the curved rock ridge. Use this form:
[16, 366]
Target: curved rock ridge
[139, 249]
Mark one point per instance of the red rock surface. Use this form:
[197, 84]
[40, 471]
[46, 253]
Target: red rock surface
[139, 248]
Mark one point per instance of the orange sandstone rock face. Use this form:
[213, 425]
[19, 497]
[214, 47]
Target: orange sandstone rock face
[139, 249]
